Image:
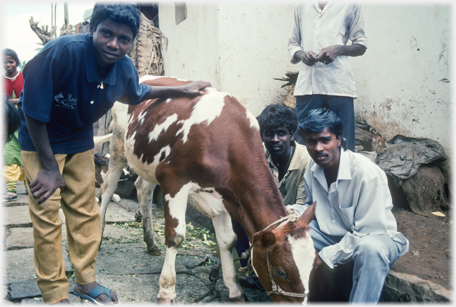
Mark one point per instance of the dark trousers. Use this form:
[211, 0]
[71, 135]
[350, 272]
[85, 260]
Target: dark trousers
[342, 106]
[242, 242]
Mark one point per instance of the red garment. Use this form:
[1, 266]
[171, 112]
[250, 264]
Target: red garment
[14, 86]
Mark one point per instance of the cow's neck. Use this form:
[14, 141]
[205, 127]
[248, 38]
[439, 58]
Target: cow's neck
[259, 200]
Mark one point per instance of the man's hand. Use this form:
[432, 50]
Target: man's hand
[309, 58]
[328, 55]
[45, 183]
[190, 89]
[194, 88]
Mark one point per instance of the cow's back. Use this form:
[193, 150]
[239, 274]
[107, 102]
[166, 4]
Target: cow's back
[195, 136]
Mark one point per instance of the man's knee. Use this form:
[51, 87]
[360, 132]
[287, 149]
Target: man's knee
[372, 248]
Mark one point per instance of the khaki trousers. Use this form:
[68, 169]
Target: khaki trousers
[82, 220]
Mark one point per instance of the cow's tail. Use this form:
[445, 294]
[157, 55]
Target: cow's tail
[101, 139]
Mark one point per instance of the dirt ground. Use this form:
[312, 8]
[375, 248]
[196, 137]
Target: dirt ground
[430, 255]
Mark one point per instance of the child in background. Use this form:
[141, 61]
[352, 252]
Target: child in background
[12, 160]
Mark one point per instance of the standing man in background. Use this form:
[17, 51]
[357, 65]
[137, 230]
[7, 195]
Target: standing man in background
[319, 37]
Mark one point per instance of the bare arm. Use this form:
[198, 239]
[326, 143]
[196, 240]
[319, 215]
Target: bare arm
[49, 178]
[328, 54]
[191, 89]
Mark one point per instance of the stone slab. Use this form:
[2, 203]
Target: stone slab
[19, 238]
[118, 234]
[119, 259]
[143, 288]
[22, 237]
[28, 289]
[117, 214]
[17, 216]
[19, 265]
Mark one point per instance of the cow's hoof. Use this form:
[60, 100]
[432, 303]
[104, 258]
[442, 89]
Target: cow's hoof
[239, 299]
[154, 251]
[164, 301]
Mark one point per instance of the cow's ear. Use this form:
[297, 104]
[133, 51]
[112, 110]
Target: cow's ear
[265, 239]
[308, 215]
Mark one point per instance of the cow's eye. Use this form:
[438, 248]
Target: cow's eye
[281, 273]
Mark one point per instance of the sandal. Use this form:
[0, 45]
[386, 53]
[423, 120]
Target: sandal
[94, 293]
[10, 196]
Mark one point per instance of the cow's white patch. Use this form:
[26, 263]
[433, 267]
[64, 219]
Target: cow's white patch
[253, 120]
[208, 201]
[145, 170]
[168, 100]
[121, 112]
[103, 175]
[164, 151]
[303, 252]
[206, 110]
[153, 135]
[141, 117]
[178, 204]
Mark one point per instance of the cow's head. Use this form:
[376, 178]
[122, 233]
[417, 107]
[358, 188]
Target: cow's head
[284, 257]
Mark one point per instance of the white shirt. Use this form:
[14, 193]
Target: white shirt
[357, 204]
[313, 30]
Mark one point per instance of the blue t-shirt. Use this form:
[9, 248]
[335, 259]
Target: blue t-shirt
[62, 88]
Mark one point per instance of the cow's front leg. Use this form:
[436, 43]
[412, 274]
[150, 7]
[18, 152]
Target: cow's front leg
[226, 238]
[145, 190]
[174, 205]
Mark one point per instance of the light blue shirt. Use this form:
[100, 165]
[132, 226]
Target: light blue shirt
[357, 204]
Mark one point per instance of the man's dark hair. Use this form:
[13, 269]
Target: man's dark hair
[12, 54]
[119, 12]
[277, 115]
[318, 120]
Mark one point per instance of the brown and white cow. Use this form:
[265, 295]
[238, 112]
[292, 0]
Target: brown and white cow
[209, 148]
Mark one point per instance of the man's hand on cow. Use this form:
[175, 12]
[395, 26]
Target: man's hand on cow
[45, 183]
[194, 88]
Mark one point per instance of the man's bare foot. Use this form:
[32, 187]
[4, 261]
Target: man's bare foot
[83, 291]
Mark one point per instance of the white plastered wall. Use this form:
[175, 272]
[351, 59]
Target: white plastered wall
[403, 79]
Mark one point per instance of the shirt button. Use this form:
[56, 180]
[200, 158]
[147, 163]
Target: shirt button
[92, 102]
[334, 221]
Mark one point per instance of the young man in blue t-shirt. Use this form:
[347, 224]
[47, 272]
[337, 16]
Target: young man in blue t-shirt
[69, 85]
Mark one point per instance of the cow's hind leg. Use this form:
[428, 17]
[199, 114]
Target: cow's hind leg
[226, 239]
[175, 229]
[109, 186]
[145, 191]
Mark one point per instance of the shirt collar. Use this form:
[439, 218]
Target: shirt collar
[343, 172]
[344, 166]
[295, 160]
[317, 7]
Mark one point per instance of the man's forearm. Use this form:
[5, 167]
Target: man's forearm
[38, 134]
[189, 89]
[353, 50]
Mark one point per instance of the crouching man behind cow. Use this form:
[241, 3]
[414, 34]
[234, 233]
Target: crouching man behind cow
[353, 218]
[69, 85]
